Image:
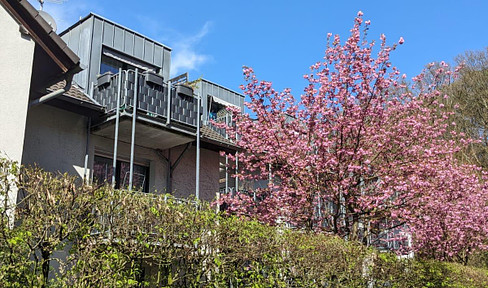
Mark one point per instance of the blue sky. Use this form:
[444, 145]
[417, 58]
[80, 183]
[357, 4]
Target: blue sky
[281, 39]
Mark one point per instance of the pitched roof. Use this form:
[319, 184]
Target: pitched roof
[73, 92]
[43, 34]
[75, 100]
[209, 133]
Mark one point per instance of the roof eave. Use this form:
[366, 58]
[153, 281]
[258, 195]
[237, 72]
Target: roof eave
[43, 34]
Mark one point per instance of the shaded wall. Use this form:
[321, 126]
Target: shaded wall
[17, 54]
[55, 139]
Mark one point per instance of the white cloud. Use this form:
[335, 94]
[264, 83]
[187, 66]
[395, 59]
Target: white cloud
[185, 56]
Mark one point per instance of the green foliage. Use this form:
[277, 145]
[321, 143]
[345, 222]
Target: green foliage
[121, 239]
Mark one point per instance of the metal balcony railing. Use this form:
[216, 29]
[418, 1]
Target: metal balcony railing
[213, 124]
[153, 98]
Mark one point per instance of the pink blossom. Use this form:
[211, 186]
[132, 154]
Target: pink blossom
[359, 146]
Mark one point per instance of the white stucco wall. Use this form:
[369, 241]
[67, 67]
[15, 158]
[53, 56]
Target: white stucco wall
[16, 57]
[55, 139]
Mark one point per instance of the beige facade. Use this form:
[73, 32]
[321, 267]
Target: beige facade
[16, 54]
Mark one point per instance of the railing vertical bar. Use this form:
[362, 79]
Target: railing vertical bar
[168, 111]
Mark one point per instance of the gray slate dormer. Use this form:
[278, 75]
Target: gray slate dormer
[103, 45]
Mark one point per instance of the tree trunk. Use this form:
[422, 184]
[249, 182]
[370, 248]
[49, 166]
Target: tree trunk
[46, 254]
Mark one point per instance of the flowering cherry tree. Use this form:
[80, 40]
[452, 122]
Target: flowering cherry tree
[358, 147]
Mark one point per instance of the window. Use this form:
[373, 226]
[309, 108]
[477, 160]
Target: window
[216, 110]
[103, 172]
[112, 65]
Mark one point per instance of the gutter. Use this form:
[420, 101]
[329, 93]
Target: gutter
[54, 94]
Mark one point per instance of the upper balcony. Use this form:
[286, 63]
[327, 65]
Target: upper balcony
[178, 105]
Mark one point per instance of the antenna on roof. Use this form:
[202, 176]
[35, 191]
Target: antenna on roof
[49, 19]
[41, 2]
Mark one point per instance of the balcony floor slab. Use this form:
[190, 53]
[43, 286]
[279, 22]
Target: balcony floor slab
[146, 135]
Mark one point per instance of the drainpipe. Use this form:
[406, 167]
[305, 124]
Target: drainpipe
[53, 94]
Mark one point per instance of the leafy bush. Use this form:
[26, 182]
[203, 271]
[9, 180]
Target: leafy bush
[121, 239]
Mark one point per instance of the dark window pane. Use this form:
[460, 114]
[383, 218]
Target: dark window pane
[102, 170]
[107, 68]
[110, 65]
[139, 179]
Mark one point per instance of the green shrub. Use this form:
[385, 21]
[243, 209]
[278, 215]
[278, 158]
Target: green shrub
[117, 238]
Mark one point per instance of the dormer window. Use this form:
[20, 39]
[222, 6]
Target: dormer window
[217, 108]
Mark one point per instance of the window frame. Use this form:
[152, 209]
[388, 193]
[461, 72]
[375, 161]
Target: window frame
[125, 62]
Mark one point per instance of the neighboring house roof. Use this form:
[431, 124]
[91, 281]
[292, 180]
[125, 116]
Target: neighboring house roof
[75, 100]
[210, 134]
[74, 92]
[43, 34]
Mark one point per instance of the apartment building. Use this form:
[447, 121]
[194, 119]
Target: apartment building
[114, 115]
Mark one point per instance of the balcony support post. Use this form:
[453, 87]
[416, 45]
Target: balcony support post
[237, 171]
[169, 175]
[237, 161]
[133, 133]
[226, 174]
[116, 132]
[87, 152]
[197, 172]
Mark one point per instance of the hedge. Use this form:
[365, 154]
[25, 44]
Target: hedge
[99, 237]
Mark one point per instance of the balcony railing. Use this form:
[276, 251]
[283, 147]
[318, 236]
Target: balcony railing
[213, 123]
[153, 98]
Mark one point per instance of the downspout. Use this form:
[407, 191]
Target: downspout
[54, 94]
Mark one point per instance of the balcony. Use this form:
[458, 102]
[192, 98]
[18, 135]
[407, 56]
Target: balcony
[152, 96]
[214, 125]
